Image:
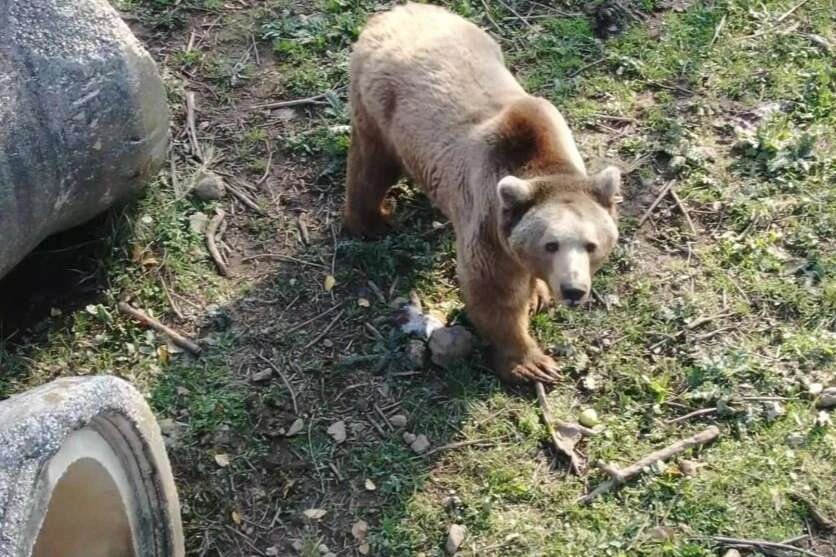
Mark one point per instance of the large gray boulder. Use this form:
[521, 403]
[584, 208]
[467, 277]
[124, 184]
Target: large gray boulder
[83, 118]
[84, 473]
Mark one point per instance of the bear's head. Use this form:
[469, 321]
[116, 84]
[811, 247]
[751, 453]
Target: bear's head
[561, 228]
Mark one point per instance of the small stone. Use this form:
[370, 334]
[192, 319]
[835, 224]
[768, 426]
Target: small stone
[198, 222]
[209, 186]
[451, 502]
[815, 388]
[398, 302]
[409, 438]
[297, 546]
[823, 419]
[167, 426]
[272, 551]
[337, 431]
[589, 418]
[455, 537]
[296, 427]
[677, 162]
[731, 553]
[450, 344]
[328, 343]
[796, 440]
[688, 468]
[398, 420]
[827, 398]
[323, 549]
[364, 549]
[416, 353]
[261, 376]
[420, 445]
[773, 409]
[661, 533]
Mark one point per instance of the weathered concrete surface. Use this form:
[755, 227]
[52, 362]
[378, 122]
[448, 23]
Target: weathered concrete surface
[99, 420]
[83, 118]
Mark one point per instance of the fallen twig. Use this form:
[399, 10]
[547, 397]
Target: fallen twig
[694, 414]
[190, 124]
[619, 476]
[741, 542]
[460, 444]
[324, 331]
[684, 211]
[656, 201]
[517, 14]
[149, 321]
[281, 257]
[703, 319]
[212, 244]
[267, 166]
[566, 435]
[822, 522]
[286, 382]
[316, 99]
[245, 199]
[312, 319]
[717, 31]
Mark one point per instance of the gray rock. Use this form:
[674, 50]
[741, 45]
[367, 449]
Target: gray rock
[398, 420]
[449, 345]
[416, 353]
[97, 432]
[420, 444]
[83, 118]
[209, 186]
[827, 398]
[455, 538]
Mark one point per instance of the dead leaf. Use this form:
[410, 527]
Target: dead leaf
[363, 302]
[236, 518]
[315, 514]
[330, 282]
[163, 354]
[296, 427]
[370, 485]
[222, 460]
[359, 530]
[364, 549]
[337, 431]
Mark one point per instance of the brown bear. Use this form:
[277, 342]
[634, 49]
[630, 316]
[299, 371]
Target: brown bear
[432, 99]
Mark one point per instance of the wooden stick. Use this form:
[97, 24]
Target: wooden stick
[287, 384]
[763, 543]
[656, 201]
[190, 124]
[821, 521]
[294, 102]
[211, 241]
[281, 257]
[619, 476]
[684, 211]
[312, 319]
[562, 444]
[324, 331]
[694, 414]
[149, 321]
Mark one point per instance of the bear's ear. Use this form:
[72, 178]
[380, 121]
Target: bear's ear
[514, 192]
[607, 186]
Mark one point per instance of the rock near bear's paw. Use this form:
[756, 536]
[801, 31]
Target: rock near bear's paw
[83, 118]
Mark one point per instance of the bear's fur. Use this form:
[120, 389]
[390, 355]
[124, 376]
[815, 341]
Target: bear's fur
[432, 99]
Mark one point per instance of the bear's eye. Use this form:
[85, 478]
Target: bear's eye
[591, 247]
[552, 247]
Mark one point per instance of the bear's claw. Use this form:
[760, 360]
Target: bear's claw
[540, 298]
[534, 367]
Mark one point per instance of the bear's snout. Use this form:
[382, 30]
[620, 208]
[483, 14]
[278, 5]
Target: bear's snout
[572, 293]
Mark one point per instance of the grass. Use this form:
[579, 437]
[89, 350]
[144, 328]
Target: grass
[740, 115]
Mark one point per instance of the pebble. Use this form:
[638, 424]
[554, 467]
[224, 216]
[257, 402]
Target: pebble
[827, 398]
[420, 444]
[209, 186]
[416, 353]
[261, 376]
[398, 420]
[455, 537]
[450, 344]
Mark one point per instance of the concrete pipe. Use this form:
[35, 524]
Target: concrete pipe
[84, 473]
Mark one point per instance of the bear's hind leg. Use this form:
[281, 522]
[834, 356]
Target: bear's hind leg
[372, 170]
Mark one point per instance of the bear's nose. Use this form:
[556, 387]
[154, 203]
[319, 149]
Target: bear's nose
[572, 293]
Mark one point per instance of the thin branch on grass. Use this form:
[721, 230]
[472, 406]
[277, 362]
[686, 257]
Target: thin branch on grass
[702, 320]
[312, 319]
[619, 476]
[212, 244]
[516, 14]
[324, 331]
[820, 520]
[585, 67]
[149, 321]
[245, 199]
[190, 124]
[316, 99]
[460, 444]
[694, 414]
[789, 12]
[285, 380]
[267, 166]
[717, 31]
[684, 211]
[168, 297]
[566, 435]
[281, 257]
[656, 202]
[762, 544]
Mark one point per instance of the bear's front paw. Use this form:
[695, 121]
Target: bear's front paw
[540, 298]
[534, 366]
